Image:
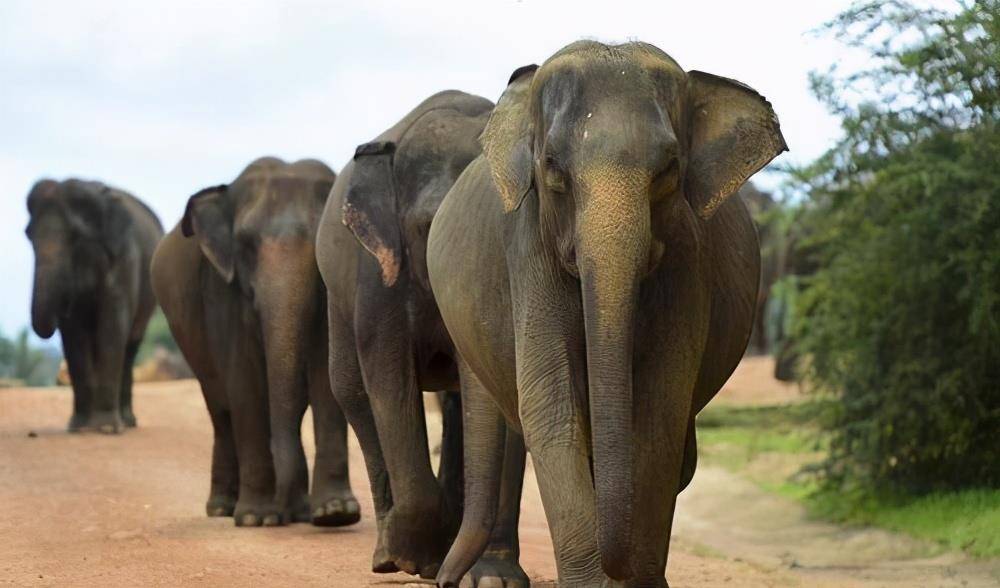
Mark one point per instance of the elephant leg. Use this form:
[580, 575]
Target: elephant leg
[128, 416]
[450, 470]
[109, 354]
[562, 467]
[666, 373]
[349, 391]
[485, 437]
[225, 465]
[78, 348]
[291, 471]
[690, 463]
[332, 503]
[418, 529]
[499, 565]
[247, 389]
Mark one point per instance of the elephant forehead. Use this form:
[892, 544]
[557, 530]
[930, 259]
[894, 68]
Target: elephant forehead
[624, 61]
[281, 251]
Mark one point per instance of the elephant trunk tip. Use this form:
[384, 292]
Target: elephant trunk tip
[614, 536]
[43, 319]
[44, 328]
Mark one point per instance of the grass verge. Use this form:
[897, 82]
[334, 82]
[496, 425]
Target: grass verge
[778, 446]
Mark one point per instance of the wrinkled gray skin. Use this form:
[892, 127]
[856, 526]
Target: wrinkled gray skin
[601, 288]
[387, 341]
[243, 298]
[92, 248]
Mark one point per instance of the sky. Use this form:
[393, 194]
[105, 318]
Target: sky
[165, 98]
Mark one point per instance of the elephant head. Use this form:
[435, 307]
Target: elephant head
[78, 230]
[614, 145]
[395, 187]
[258, 234]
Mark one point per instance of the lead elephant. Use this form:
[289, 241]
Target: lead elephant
[387, 341]
[599, 286]
[238, 283]
[92, 248]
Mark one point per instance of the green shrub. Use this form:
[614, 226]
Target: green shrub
[902, 320]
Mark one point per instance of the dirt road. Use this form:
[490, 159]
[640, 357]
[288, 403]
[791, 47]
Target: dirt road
[93, 510]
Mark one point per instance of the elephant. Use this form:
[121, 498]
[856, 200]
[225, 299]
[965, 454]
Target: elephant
[93, 245]
[238, 283]
[761, 206]
[388, 343]
[599, 286]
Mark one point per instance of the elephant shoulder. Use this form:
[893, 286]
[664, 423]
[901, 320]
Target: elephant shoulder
[175, 265]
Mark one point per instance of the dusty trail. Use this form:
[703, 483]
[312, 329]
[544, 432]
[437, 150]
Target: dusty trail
[86, 510]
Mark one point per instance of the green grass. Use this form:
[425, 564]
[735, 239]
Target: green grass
[775, 445]
[735, 436]
[966, 520]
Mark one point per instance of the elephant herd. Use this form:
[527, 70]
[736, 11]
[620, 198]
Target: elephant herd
[565, 268]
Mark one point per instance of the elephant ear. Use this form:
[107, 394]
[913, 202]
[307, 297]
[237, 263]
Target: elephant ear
[507, 139]
[370, 210]
[734, 133]
[115, 225]
[97, 212]
[209, 217]
[42, 190]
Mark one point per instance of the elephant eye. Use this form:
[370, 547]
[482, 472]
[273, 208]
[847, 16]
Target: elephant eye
[555, 179]
[247, 243]
[667, 179]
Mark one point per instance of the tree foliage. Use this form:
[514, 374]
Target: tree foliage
[902, 318]
[23, 363]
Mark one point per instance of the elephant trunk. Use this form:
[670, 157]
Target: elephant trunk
[286, 297]
[48, 300]
[613, 242]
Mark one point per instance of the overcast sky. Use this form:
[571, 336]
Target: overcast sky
[164, 98]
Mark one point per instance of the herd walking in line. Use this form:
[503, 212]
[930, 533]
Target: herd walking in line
[569, 269]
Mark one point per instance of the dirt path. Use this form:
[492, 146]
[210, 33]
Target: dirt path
[86, 510]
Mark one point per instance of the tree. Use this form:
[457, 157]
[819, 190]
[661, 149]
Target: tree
[902, 319]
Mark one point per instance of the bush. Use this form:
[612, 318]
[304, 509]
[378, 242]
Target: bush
[902, 319]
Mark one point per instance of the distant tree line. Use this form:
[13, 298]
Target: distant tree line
[25, 364]
[897, 313]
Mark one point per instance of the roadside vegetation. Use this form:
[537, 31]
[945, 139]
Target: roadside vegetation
[895, 323]
[158, 336]
[22, 363]
[782, 448]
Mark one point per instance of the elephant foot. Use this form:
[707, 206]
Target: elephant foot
[298, 511]
[77, 422]
[496, 570]
[220, 506]
[256, 515]
[382, 562]
[108, 422]
[417, 540]
[338, 510]
[128, 417]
